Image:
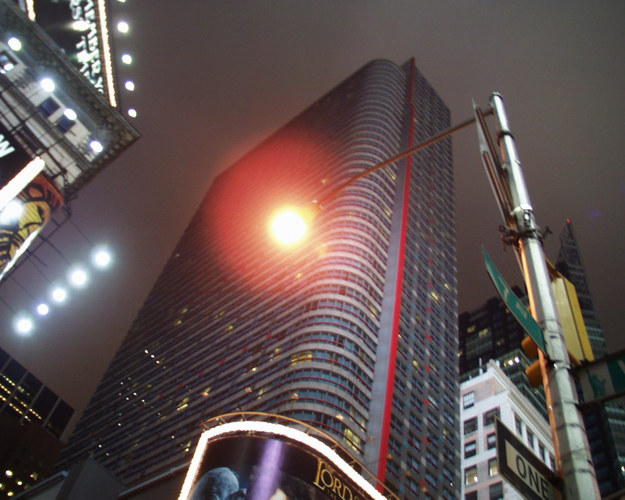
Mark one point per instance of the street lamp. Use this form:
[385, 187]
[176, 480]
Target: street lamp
[573, 458]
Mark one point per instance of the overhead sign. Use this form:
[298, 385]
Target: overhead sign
[516, 307]
[604, 379]
[80, 29]
[523, 469]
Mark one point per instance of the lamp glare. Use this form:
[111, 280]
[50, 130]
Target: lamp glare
[43, 309]
[102, 258]
[24, 325]
[59, 295]
[15, 44]
[78, 277]
[47, 84]
[288, 227]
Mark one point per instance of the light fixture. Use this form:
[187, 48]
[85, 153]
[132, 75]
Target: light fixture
[15, 44]
[47, 84]
[59, 294]
[132, 112]
[127, 59]
[23, 325]
[123, 27]
[70, 114]
[78, 277]
[96, 146]
[43, 309]
[102, 257]
[130, 85]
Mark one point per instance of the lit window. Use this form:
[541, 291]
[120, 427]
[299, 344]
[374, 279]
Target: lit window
[470, 475]
[468, 400]
[493, 467]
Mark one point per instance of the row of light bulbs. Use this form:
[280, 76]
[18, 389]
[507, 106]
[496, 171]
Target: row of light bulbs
[77, 277]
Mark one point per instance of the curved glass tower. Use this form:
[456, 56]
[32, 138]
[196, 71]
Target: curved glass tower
[353, 332]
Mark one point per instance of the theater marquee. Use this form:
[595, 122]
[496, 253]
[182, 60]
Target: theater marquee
[269, 461]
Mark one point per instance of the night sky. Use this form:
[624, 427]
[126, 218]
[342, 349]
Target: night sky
[213, 79]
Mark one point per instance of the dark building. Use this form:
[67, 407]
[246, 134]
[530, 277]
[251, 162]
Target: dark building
[605, 424]
[33, 420]
[492, 332]
[354, 332]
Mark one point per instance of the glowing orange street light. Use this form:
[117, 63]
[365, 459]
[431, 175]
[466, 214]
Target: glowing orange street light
[289, 226]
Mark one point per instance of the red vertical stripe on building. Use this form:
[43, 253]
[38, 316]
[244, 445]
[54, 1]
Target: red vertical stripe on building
[390, 383]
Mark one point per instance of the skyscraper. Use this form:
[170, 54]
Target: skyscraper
[354, 332]
[605, 424]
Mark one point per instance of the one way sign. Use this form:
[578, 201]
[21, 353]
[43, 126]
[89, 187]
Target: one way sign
[523, 469]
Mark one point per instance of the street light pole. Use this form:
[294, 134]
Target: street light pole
[573, 458]
[574, 462]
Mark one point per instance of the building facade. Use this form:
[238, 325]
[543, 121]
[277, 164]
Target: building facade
[59, 126]
[354, 332]
[491, 332]
[489, 395]
[33, 421]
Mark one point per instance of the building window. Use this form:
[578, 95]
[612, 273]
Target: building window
[471, 495]
[493, 467]
[543, 452]
[470, 449]
[7, 62]
[468, 400]
[495, 491]
[470, 475]
[491, 441]
[530, 438]
[64, 124]
[470, 425]
[518, 425]
[49, 106]
[489, 416]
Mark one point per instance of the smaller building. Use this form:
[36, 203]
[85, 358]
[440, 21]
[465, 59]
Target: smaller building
[489, 395]
[33, 422]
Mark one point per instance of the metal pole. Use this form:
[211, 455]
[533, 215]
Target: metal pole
[573, 458]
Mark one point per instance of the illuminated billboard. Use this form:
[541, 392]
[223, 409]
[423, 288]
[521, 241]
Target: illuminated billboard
[80, 29]
[36, 204]
[270, 461]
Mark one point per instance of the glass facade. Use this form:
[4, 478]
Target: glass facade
[25, 398]
[354, 332]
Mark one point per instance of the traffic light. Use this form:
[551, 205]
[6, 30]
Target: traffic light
[533, 372]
